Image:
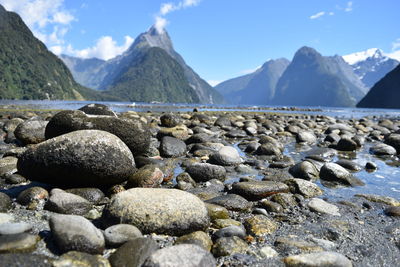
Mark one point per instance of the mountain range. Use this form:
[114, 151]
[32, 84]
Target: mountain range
[385, 93]
[29, 71]
[124, 74]
[310, 79]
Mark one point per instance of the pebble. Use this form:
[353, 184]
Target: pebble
[198, 238]
[260, 225]
[231, 202]
[119, 234]
[336, 174]
[383, 150]
[172, 147]
[181, 255]
[6, 218]
[304, 170]
[318, 259]
[72, 232]
[22, 242]
[8, 165]
[76, 258]
[14, 228]
[226, 156]
[229, 231]
[321, 206]
[147, 176]
[217, 212]
[226, 246]
[303, 187]
[393, 211]
[67, 203]
[5, 202]
[381, 199]
[91, 194]
[133, 252]
[203, 172]
[31, 132]
[256, 190]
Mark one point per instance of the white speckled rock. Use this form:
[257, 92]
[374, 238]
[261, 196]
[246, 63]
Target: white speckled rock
[158, 210]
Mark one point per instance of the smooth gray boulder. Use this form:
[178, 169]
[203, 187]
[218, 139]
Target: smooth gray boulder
[80, 158]
[31, 132]
[72, 232]
[133, 133]
[156, 210]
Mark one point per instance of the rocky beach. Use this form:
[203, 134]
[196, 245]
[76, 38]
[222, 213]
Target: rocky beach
[94, 187]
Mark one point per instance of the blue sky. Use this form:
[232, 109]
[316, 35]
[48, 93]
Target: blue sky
[219, 39]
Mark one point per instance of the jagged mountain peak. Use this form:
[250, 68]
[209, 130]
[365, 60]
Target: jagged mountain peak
[354, 58]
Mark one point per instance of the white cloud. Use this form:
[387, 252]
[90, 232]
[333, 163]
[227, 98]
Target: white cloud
[331, 13]
[396, 44]
[160, 21]
[214, 82]
[318, 15]
[395, 50]
[105, 48]
[41, 14]
[349, 6]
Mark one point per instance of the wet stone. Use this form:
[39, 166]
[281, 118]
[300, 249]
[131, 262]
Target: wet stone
[154, 210]
[304, 246]
[181, 255]
[97, 109]
[231, 202]
[380, 199]
[198, 238]
[256, 190]
[336, 174]
[25, 260]
[222, 223]
[286, 200]
[305, 170]
[5, 202]
[14, 228]
[346, 144]
[33, 197]
[203, 172]
[31, 132]
[169, 120]
[119, 234]
[271, 206]
[8, 165]
[318, 259]
[383, 150]
[67, 203]
[133, 252]
[22, 242]
[348, 164]
[230, 231]
[321, 206]
[226, 156]
[217, 212]
[260, 225]
[72, 232]
[93, 195]
[226, 246]
[147, 176]
[393, 211]
[303, 187]
[172, 147]
[75, 258]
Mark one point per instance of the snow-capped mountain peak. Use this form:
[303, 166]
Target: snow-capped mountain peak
[363, 55]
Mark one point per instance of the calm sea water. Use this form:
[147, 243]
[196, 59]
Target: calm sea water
[384, 181]
[346, 113]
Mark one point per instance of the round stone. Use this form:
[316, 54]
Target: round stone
[80, 158]
[321, 206]
[226, 156]
[256, 190]
[31, 132]
[318, 259]
[181, 255]
[226, 246]
[172, 147]
[72, 232]
[154, 210]
[119, 234]
[67, 203]
[203, 172]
